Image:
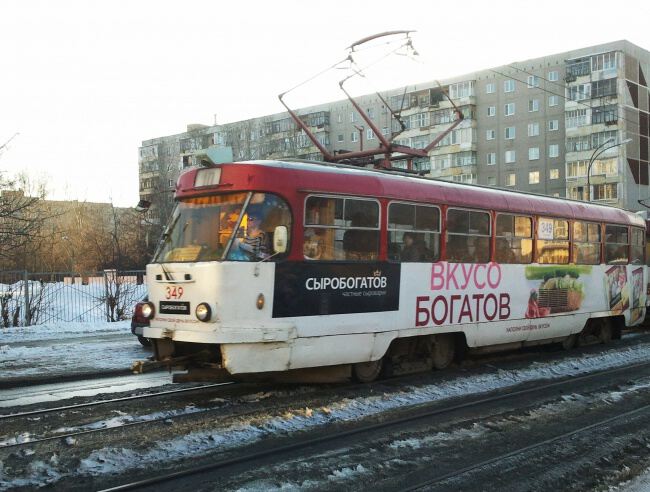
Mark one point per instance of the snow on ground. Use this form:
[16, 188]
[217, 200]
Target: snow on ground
[70, 358]
[62, 330]
[67, 348]
[640, 483]
[15, 397]
[114, 460]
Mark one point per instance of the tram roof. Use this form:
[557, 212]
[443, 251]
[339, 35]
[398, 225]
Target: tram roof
[317, 177]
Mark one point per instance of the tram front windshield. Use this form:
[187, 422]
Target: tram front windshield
[234, 226]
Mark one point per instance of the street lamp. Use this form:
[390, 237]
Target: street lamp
[598, 151]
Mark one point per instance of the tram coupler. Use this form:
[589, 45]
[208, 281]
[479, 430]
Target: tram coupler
[203, 375]
[142, 366]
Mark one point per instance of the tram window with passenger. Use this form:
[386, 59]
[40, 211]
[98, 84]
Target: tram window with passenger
[586, 243]
[616, 245]
[552, 241]
[341, 229]
[468, 236]
[514, 239]
[637, 246]
[253, 240]
[203, 228]
[413, 232]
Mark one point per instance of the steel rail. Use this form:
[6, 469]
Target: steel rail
[111, 400]
[307, 443]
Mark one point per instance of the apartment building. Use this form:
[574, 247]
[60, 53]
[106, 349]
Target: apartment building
[537, 125]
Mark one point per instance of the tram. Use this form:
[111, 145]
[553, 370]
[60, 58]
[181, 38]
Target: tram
[289, 267]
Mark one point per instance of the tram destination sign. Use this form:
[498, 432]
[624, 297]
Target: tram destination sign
[320, 288]
[174, 307]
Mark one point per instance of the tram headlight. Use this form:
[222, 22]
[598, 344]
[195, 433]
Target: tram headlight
[203, 312]
[148, 310]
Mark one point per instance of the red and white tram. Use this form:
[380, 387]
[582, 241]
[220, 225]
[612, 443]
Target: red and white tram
[270, 267]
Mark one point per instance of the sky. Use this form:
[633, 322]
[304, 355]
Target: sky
[83, 83]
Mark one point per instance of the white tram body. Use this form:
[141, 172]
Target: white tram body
[275, 266]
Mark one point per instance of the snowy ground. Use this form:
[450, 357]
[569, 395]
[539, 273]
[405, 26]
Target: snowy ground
[67, 348]
[111, 460]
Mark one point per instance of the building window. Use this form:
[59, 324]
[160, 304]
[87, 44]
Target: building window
[462, 89]
[509, 109]
[384, 131]
[604, 61]
[533, 105]
[509, 86]
[533, 153]
[579, 92]
[491, 158]
[370, 135]
[533, 129]
[553, 125]
[339, 118]
[371, 113]
[533, 81]
[509, 132]
[491, 110]
[576, 118]
[553, 76]
[533, 177]
[339, 139]
[554, 174]
[420, 120]
[492, 181]
[604, 114]
[607, 191]
[490, 88]
[553, 100]
[510, 156]
[553, 150]
[511, 179]
[352, 117]
[490, 134]
[354, 137]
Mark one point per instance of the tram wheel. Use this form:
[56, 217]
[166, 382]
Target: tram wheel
[367, 372]
[605, 332]
[570, 342]
[443, 350]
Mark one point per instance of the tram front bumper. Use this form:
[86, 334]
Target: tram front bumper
[226, 334]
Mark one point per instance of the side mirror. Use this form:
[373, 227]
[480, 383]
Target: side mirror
[280, 239]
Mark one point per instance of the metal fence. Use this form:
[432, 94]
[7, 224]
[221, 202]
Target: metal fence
[49, 297]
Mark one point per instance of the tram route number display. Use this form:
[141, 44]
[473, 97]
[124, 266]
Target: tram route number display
[312, 289]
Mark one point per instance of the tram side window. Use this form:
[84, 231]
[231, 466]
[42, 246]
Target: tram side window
[552, 241]
[468, 236]
[341, 229]
[637, 248]
[413, 233]
[616, 245]
[514, 239]
[586, 243]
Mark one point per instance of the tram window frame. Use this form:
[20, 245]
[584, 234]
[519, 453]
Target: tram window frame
[508, 255]
[332, 241]
[561, 240]
[462, 246]
[426, 252]
[585, 241]
[614, 249]
[638, 247]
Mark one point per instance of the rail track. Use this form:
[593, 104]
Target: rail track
[276, 453]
